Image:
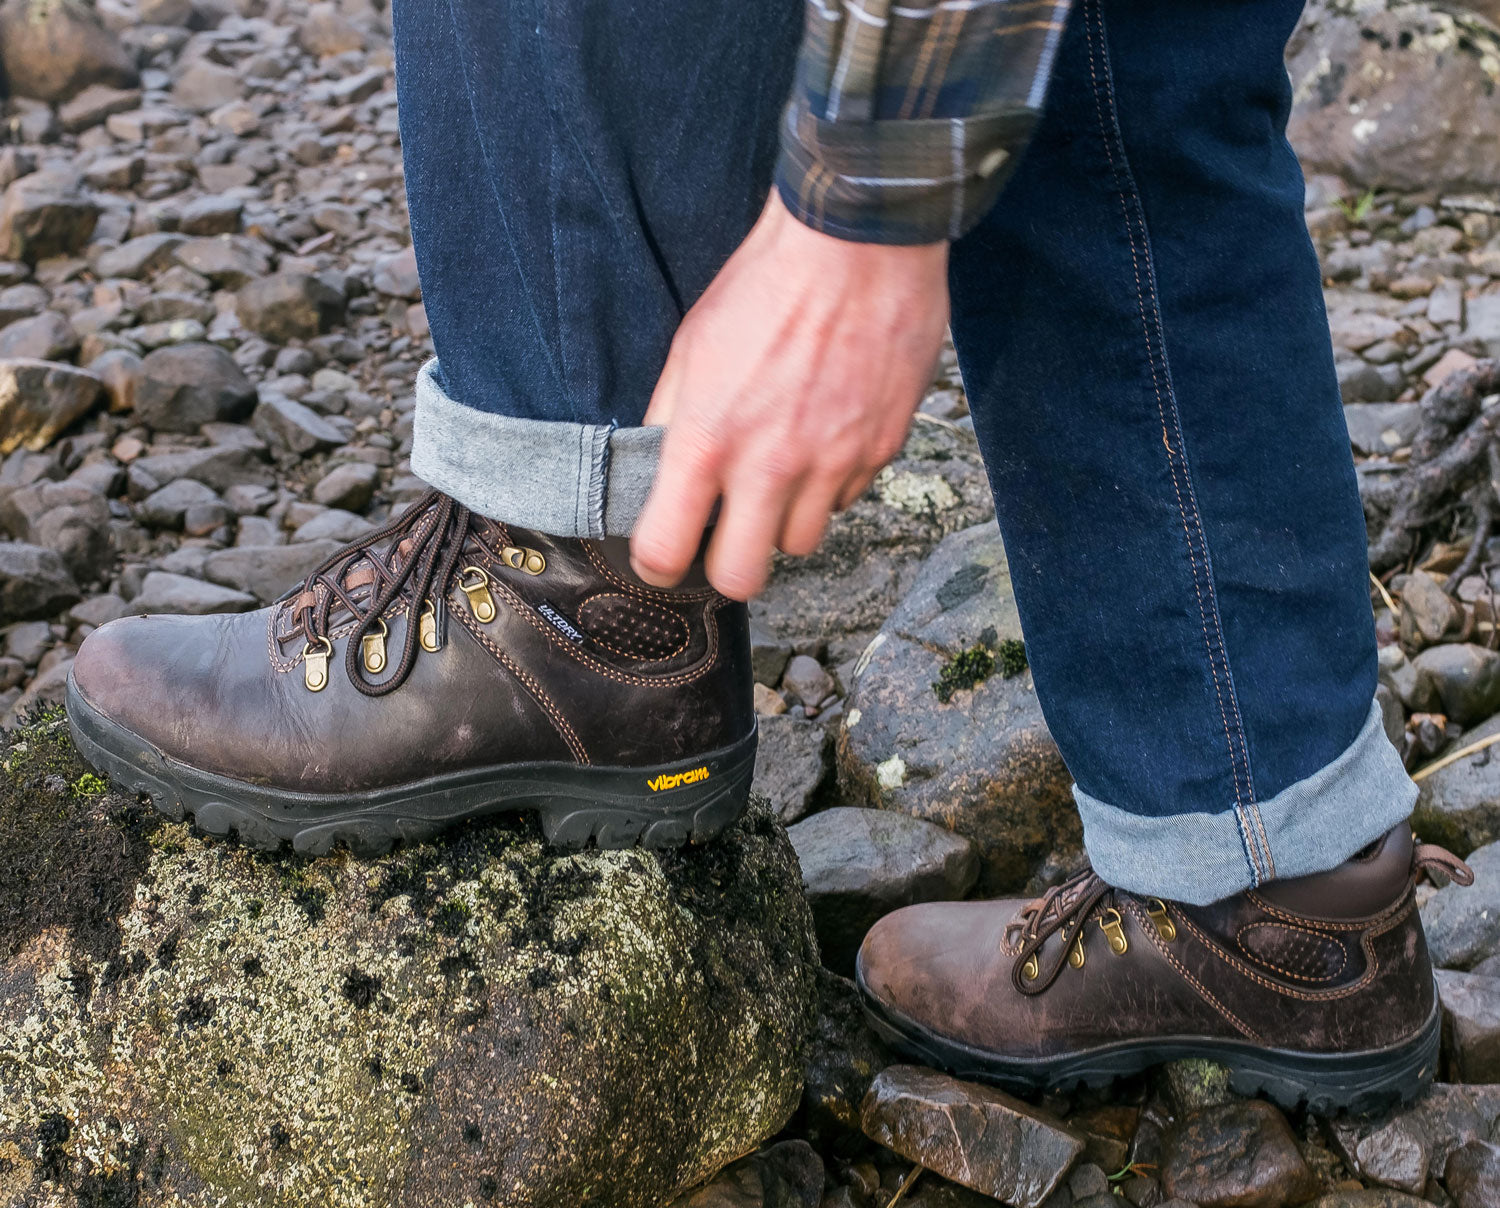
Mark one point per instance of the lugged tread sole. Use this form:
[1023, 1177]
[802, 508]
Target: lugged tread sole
[577, 805]
[1360, 1083]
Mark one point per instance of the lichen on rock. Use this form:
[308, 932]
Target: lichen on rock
[473, 1021]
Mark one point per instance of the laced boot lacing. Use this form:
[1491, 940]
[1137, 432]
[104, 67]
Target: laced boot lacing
[1066, 909]
[421, 554]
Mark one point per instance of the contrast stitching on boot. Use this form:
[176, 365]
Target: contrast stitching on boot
[1171, 425]
[625, 654]
[1372, 967]
[536, 691]
[655, 595]
[1239, 940]
[1397, 909]
[525, 612]
[1148, 929]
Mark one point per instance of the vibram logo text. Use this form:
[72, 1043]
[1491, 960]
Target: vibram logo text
[673, 780]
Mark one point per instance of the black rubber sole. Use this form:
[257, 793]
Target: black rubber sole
[1360, 1083]
[577, 805]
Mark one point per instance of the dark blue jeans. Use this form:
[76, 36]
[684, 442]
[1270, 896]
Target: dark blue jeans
[1141, 331]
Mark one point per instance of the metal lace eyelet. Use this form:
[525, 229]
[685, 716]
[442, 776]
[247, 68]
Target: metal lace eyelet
[427, 627]
[1075, 953]
[315, 657]
[1030, 970]
[520, 557]
[481, 603]
[1113, 926]
[1165, 928]
[372, 646]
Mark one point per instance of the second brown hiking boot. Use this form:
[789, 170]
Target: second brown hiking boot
[1315, 990]
[440, 668]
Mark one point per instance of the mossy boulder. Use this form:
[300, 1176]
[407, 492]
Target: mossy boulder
[477, 1021]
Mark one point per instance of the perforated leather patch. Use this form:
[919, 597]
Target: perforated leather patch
[1294, 952]
[633, 628]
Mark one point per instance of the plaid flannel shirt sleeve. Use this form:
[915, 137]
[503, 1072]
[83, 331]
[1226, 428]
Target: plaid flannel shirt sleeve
[906, 119]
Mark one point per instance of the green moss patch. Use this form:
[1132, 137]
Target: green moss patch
[73, 850]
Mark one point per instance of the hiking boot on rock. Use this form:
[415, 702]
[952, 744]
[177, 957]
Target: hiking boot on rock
[440, 668]
[1316, 989]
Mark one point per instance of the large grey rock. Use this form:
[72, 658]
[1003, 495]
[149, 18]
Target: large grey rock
[1459, 805]
[138, 257]
[43, 216]
[349, 486]
[1397, 94]
[1394, 1151]
[187, 385]
[971, 1134]
[265, 571]
[39, 400]
[1236, 1155]
[475, 1021]
[44, 337]
[228, 261]
[1466, 678]
[67, 518]
[1472, 1175]
[289, 426]
[206, 85]
[34, 583]
[860, 864]
[793, 763]
[1463, 922]
[1380, 428]
[289, 306]
[165, 592]
[221, 467]
[51, 49]
[1471, 1025]
[168, 506]
[982, 764]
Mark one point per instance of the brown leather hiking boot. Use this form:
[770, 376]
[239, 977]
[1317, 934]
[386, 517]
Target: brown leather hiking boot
[440, 668]
[1317, 989]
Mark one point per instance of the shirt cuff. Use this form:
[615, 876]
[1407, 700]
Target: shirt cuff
[896, 180]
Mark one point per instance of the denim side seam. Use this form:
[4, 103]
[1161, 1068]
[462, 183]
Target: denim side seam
[1316, 823]
[1251, 827]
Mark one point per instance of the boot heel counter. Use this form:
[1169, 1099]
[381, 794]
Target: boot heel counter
[734, 681]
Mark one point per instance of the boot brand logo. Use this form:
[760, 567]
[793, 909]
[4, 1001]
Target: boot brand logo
[675, 780]
[559, 622]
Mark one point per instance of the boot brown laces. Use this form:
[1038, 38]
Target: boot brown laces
[426, 543]
[1067, 908]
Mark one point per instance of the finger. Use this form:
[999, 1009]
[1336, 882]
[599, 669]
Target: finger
[807, 517]
[739, 557]
[854, 486]
[663, 404]
[670, 528]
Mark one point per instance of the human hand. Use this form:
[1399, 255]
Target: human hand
[789, 384]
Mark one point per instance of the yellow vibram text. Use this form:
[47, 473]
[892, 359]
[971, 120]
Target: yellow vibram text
[673, 780]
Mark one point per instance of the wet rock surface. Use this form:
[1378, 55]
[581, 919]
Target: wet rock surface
[978, 1137]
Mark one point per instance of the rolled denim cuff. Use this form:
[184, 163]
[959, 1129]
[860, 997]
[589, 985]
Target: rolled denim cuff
[554, 476]
[1308, 827]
